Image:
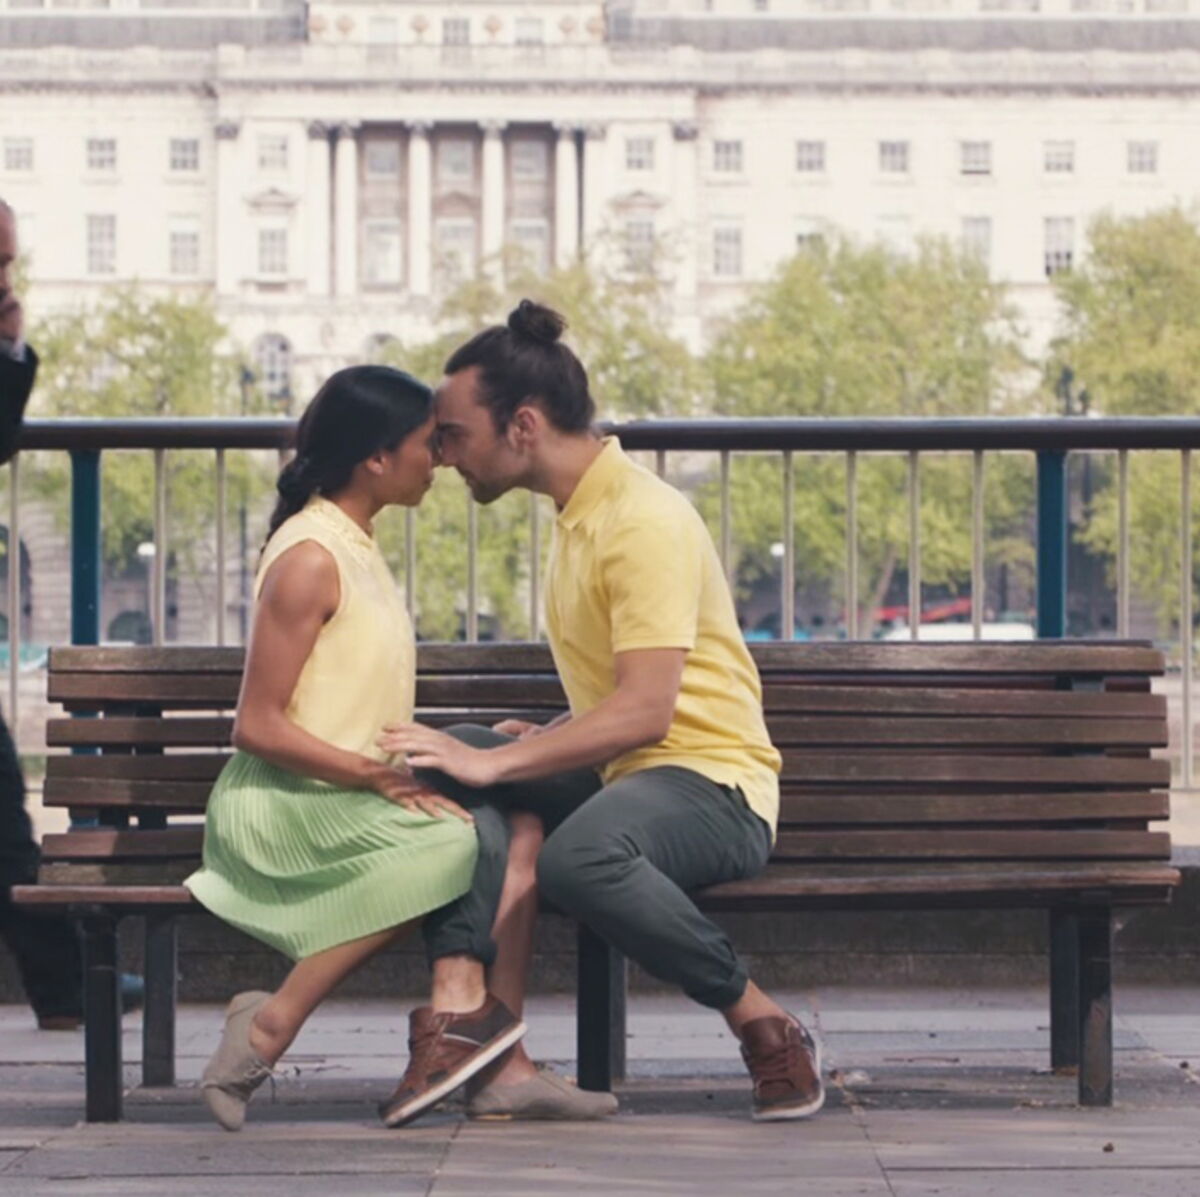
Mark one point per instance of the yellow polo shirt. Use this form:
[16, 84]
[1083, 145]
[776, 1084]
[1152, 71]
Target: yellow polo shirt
[633, 566]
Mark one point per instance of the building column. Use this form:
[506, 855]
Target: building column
[229, 231]
[686, 186]
[595, 183]
[318, 204]
[566, 196]
[420, 209]
[345, 188]
[493, 193]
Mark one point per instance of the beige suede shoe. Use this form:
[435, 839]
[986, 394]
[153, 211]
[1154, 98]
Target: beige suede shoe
[546, 1097]
[235, 1070]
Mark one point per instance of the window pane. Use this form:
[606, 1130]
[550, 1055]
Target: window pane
[382, 263]
[455, 157]
[810, 156]
[727, 156]
[382, 159]
[272, 251]
[532, 238]
[639, 153]
[639, 244]
[456, 31]
[727, 251]
[102, 244]
[1059, 243]
[18, 153]
[185, 154]
[101, 153]
[1142, 157]
[456, 249]
[530, 160]
[893, 157]
[977, 237]
[1059, 157]
[976, 157]
[273, 151]
[185, 252]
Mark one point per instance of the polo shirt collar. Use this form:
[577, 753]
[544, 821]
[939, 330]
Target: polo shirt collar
[597, 479]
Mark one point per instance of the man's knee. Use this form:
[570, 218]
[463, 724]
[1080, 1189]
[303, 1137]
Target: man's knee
[524, 844]
[477, 736]
[570, 867]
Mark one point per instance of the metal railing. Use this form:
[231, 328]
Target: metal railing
[1049, 440]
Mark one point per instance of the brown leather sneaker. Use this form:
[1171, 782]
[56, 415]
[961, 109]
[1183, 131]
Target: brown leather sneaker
[785, 1064]
[444, 1051]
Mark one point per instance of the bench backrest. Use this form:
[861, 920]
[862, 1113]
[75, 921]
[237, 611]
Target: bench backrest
[892, 752]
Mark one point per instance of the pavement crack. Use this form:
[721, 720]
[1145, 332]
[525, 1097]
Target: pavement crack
[441, 1163]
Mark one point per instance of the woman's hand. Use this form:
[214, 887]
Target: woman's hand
[425, 748]
[404, 790]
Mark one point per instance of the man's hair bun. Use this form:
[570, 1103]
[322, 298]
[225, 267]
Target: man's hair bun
[536, 322]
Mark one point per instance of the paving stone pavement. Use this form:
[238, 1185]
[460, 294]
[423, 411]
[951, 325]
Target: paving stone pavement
[931, 1093]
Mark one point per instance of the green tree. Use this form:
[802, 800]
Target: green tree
[1131, 345]
[844, 329]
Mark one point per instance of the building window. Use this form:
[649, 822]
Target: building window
[530, 31]
[273, 151]
[727, 251]
[809, 235]
[1058, 157]
[762, 5]
[1060, 243]
[977, 237]
[184, 251]
[455, 241]
[639, 153]
[273, 365]
[727, 156]
[810, 157]
[1141, 157]
[382, 256]
[530, 160]
[639, 245]
[184, 154]
[102, 244]
[272, 251]
[382, 159]
[894, 157]
[532, 239]
[455, 160]
[18, 153]
[456, 31]
[975, 157]
[101, 153]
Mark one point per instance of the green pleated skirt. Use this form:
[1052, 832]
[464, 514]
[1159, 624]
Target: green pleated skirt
[304, 866]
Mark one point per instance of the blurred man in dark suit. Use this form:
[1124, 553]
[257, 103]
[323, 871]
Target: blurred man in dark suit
[46, 947]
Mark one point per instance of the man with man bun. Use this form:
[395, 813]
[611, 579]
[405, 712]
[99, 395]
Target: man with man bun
[665, 702]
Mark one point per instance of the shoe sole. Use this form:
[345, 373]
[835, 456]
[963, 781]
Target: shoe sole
[473, 1064]
[794, 1113]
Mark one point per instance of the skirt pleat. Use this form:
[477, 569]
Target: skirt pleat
[304, 866]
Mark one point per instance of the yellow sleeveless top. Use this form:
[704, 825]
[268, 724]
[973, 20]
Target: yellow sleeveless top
[361, 673]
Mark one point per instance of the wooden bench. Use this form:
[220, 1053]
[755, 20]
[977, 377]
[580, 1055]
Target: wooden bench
[915, 776]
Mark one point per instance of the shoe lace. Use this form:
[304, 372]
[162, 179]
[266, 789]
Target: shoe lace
[421, 1046]
[779, 1064]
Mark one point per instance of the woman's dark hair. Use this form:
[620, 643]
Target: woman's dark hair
[524, 360]
[359, 411]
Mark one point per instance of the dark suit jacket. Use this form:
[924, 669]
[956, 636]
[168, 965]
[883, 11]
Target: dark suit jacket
[16, 384]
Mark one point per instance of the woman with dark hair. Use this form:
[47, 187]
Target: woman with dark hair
[316, 841]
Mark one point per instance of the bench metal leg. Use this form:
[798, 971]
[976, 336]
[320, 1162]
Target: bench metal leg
[1095, 1008]
[102, 1020]
[600, 1012]
[158, 1022]
[1064, 991]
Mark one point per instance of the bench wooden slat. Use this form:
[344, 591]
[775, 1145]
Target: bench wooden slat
[180, 766]
[867, 809]
[973, 770]
[131, 844]
[934, 844]
[911, 885]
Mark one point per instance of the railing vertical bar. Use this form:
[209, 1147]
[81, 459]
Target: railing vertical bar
[221, 563]
[977, 578]
[535, 567]
[1051, 544]
[1186, 605]
[158, 597]
[660, 463]
[85, 546]
[410, 562]
[787, 571]
[14, 593]
[914, 544]
[852, 545]
[1123, 542]
[726, 517]
[472, 570]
